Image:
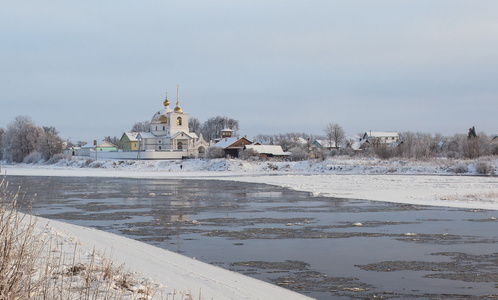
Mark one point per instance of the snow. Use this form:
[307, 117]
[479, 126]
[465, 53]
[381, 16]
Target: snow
[427, 183]
[172, 271]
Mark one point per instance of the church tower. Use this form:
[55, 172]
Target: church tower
[178, 119]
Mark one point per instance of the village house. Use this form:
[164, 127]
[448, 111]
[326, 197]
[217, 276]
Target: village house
[129, 141]
[98, 146]
[325, 145]
[231, 146]
[386, 137]
[267, 151]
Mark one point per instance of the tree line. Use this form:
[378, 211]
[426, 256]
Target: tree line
[412, 145]
[24, 141]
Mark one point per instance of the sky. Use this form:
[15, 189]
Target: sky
[94, 68]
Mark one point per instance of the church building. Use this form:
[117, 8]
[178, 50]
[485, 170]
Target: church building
[169, 133]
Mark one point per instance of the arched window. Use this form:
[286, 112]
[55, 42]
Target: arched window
[180, 146]
[159, 147]
[179, 121]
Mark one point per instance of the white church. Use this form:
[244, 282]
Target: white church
[169, 138]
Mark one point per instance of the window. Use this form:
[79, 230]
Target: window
[159, 147]
[164, 127]
[180, 145]
[179, 121]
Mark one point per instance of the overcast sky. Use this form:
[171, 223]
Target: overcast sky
[94, 68]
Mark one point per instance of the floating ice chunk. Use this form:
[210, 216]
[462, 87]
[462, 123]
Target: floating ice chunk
[357, 224]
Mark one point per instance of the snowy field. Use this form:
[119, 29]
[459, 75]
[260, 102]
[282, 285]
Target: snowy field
[441, 183]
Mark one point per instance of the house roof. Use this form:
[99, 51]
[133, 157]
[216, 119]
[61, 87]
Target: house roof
[146, 135]
[268, 149]
[227, 142]
[101, 144]
[132, 136]
[326, 143]
[382, 134]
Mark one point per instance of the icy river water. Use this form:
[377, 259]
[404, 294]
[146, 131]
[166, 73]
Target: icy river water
[327, 248]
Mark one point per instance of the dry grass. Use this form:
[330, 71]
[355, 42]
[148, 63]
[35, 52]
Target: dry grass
[34, 268]
[20, 249]
[484, 196]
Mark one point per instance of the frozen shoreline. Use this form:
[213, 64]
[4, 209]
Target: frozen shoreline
[176, 272]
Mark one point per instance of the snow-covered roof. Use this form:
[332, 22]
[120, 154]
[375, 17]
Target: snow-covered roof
[226, 142]
[382, 134]
[99, 144]
[326, 143]
[132, 136]
[268, 149]
[145, 135]
[300, 140]
[191, 135]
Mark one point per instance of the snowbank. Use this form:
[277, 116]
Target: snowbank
[173, 273]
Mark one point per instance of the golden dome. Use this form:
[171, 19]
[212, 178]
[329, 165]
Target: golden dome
[159, 117]
[178, 110]
[166, 102]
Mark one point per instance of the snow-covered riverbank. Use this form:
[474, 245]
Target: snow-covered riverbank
[427, 184]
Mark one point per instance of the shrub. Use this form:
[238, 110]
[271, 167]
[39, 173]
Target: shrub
[214, 152]
[58, 157]
[460, 168]
[483, 167]
[33, 158]
[248, 154]
[298, 154]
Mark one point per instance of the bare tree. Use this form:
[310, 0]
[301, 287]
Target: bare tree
[113, 140]
[50, 143]
[141, 127]
[334, 133]
[20, 138]
[194, 125]
[211, 129]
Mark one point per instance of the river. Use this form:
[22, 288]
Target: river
[323, 247]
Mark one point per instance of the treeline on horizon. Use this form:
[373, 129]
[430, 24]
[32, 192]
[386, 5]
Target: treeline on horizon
[24, 141]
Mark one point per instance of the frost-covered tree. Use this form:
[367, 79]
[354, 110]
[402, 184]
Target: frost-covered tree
[214, 152]
[20, 139]
[211, 129]
[141, 127]
[335, 134]
[298, 153]
[50, 143]
[194, 125]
